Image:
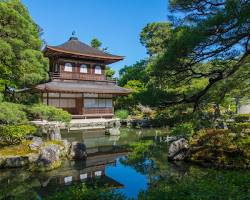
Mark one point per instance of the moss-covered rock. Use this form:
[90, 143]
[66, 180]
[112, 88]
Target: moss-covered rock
[49, 158]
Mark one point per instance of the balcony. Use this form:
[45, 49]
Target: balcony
[79, 76]
[76, 76]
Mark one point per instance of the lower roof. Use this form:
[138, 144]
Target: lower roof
[82, 87]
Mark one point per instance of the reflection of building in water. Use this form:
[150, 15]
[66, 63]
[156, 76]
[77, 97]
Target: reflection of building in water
[91, 171]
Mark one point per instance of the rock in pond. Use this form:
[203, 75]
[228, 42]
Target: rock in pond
[178, 149]
[36, 143]
[77, 151]
[49, 158]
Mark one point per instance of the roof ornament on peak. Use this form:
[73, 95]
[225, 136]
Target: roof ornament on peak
[73, 36]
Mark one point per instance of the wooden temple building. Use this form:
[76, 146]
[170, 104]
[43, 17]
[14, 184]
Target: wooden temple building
[77, 80]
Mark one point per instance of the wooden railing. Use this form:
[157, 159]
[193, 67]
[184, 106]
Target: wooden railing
[76, 76]
[97, 111]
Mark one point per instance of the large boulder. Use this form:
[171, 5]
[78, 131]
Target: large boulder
[16, 161]
[49, 158]
[178, 149]
[77, 151]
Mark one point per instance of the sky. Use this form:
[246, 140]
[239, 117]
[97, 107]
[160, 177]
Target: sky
[116, 23]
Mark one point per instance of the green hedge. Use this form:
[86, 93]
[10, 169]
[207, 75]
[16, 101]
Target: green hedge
[14, 134]
[50, 113]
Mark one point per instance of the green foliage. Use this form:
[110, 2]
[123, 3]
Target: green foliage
[139, 151]
[220, 148]
[50, 113]
[185, 129]
[122, 114]
[155, 36]
[21, 61]
[87, 193]
[134, 72]
[240, 127]
[14, 134]
[109, 72]
[96, 43]
[193, 63]
[242, 117]
[197, 185]
[12, 113]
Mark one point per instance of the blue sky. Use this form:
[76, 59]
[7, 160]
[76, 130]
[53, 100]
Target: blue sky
[117, 23]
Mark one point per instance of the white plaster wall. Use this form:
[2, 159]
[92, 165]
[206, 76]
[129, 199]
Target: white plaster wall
[244, 109]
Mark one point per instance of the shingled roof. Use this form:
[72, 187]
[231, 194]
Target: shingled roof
[83, 87]
[75, 47]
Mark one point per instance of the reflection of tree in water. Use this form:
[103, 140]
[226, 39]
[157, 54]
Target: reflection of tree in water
[150, 158]
[178, 180]
[17, 184]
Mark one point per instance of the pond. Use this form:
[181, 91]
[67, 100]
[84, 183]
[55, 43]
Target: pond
[108, 163]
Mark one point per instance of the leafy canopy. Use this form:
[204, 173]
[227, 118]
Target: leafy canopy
[21, 61]
[96, 43]
[206, 43]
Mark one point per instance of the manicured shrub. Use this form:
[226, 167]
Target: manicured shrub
[185, 129]
[11, 113]
[242, 117]
[14, 134]
[50, 113]
[122, 114]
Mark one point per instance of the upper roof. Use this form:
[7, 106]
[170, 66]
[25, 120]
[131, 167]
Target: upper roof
[75, 48]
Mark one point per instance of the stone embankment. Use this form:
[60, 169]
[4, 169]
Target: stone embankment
[79, 124]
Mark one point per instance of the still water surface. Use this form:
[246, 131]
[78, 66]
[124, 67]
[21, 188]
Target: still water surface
[106, 163]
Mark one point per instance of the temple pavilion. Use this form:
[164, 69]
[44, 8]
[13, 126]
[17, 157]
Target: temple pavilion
[77, 80]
